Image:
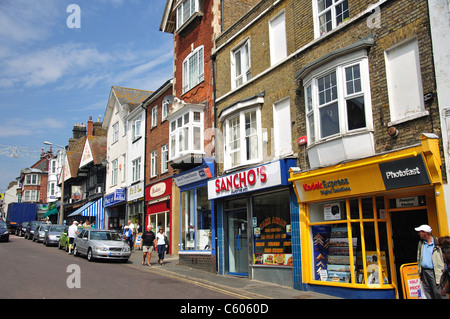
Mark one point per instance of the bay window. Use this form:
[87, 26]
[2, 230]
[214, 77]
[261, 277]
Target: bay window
[337, 100]
[186, 132]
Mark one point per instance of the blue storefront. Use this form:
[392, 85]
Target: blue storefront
[197, 217]
[258, 223]
[115, 209]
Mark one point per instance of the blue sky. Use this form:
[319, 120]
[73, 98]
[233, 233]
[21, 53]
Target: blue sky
[53, 76]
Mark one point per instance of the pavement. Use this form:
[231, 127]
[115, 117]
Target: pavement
[237, 287]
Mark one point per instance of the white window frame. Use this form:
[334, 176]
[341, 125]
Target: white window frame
[115, 132]
[242, 135]
[277, 36]
[313, 106]
[241, 55]
[164, 158]
[193, 74]
[187, 124]
[153, 163]
[32, 179]
[186, 11]
[164, 110]
[136, 170]
[124, 171]
[331, 11]
[31, 196]
[53, 166]
[114, 172]
[155, 116]
[136, 129]
[52, 189]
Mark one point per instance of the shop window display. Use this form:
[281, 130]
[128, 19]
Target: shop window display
[272, 230]
[195, 219]
[349, 241]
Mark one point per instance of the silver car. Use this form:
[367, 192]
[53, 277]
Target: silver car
[40, 231]
[97, 243]
[53, 235]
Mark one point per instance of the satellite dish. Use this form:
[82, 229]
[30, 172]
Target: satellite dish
[168, 99]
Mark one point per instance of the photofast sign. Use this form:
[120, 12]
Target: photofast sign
[407, 172]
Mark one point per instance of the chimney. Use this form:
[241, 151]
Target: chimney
[90, 127]
[79, 130]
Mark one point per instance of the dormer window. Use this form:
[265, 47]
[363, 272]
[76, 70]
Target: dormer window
[186, 12]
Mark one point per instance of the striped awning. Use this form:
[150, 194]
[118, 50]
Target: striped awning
[95, 210]
[81, 209]
[92, 209]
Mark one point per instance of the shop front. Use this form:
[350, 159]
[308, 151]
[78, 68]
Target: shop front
[135, 203]
[115, 209]
[158, 198]
[197, 231]
[357, 219]
[254, 213]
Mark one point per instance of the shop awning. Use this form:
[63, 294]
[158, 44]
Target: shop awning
[81, 209]
[92, 209]
[51, 212]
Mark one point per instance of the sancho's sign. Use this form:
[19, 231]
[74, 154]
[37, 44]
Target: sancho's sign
[256, 178]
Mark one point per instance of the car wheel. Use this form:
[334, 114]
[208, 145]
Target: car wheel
[75, 251]
[90, 257]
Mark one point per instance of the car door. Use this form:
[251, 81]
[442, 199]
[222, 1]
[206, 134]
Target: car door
[81, 241]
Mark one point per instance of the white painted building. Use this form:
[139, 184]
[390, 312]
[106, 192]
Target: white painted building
[439, 12]
[135, 162]
[121, 102]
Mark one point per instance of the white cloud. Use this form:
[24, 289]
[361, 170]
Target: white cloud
[49, 65]
[23, 127]
[24, 21]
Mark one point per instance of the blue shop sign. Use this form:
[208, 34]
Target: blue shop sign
[118, 196]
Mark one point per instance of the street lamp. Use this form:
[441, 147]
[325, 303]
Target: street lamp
[61, 207]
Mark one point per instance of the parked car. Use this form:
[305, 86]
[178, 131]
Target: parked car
[64, 239]
[39, 233]
[4, 232]
[99, 243]
[22, 228]
[53, 235]
[31, 227]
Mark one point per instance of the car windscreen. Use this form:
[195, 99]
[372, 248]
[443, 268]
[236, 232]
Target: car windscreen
[102, 235]
[2, 225]
[44, 227]
[57, 229]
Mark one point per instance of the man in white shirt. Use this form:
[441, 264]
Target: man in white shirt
[71, 233]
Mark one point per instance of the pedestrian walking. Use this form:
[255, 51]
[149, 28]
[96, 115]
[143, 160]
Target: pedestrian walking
[147, 244]
[72, 232]
[161, 237]
[430, 262]
[128, 236]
